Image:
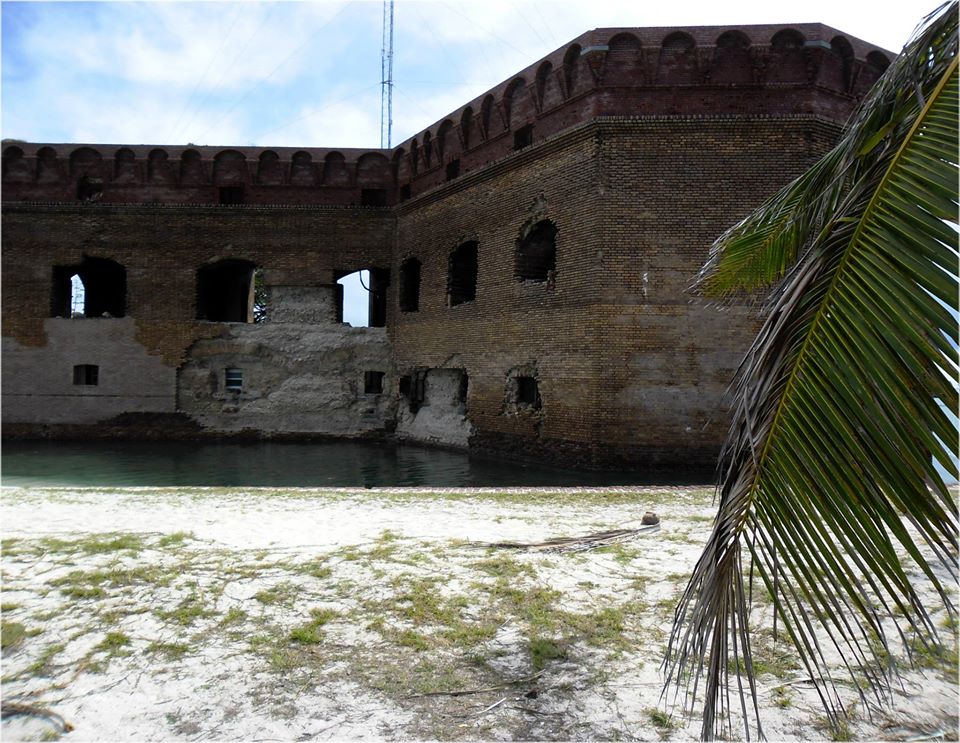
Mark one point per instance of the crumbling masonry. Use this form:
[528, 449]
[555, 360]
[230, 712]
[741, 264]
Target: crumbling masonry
[529, 260]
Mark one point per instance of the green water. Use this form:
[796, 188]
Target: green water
[339, 464]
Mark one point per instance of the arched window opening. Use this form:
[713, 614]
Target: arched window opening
[362, 297]
[536, 258]
[226, 291]
[462, 274]
[410, 285]
[78, 296]
[97, 287]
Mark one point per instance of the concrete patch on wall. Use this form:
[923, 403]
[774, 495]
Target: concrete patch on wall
[434, 408]
[302, 304]
[91, 369]
[290, 378]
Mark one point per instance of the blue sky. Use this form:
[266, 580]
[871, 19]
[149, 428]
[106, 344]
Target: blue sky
[308, 73]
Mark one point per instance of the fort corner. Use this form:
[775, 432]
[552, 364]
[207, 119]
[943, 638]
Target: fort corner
[528, 256]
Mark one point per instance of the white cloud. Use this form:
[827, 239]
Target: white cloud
[308, 73]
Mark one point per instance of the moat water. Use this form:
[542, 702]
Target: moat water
[275, 464]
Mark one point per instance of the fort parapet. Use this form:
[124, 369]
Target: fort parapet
[529, 259]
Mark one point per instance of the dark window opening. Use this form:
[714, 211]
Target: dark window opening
[523, 137]
[95, 288]
[462, 274]
[405, 192]
[231, 194]
[463, 388]
[225, 291]
[86, 374]
[453, 169]
[233, 379]
[410, 285]
[536, 255]
[527, 392]
[373, 197]
[361, 297]
[89, 189]
[414, 388]
[373, 382]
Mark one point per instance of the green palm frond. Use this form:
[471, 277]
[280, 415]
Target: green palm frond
[827, 477]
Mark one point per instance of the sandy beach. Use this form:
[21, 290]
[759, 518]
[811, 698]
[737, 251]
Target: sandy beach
[340, 614]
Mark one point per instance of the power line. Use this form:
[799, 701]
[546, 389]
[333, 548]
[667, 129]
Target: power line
[230, 67]
[350, 96]
[203, 77]
[286, 59]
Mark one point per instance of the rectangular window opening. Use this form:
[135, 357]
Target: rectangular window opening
[527, 392]
[373, 382]
[405, 192]
[233, 380]
[523, 137]
[231, 194]
[373, 197]
[86, 374]
[453, 169]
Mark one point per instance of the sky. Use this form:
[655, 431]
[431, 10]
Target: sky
[308, 74]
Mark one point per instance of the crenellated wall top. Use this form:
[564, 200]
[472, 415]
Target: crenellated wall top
[806, 68]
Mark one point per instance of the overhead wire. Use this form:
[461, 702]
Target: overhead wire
[203, 76]
[281, 64]
[536, 31]
[229, 68]
[355, 94]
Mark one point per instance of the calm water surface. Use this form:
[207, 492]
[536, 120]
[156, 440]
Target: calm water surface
[340, 464]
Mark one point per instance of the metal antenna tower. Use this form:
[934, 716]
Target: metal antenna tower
[386, 77]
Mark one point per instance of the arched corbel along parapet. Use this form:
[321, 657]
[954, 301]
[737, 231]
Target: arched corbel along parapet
[446, 142]
[677, 63]
[270, 171]
[783, 61]
[302, 170]
[16, 167]
[732, 62]
[623, 62]
[190, 174]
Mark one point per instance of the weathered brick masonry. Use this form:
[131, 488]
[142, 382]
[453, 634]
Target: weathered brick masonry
[530, 257]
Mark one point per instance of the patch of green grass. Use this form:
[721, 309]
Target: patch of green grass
[9, 606]
[543, 649]
[234, 615]
[9, 545]
[83, 592]
[409, 638]
[186, 612]
[174, 540]
[660, 719]
[782, 696]
[284, 592]
[113, 642]
[170, 650]
[620, 552]
[83, 584]
[502, 566]
[11, 634]
[315, 569]
[309, 633]
[42, 664]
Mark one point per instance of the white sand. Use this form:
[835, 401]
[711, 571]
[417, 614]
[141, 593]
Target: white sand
[189, 638]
